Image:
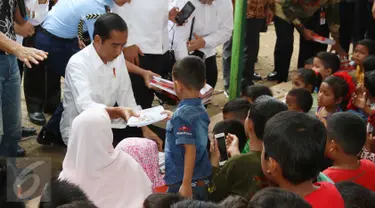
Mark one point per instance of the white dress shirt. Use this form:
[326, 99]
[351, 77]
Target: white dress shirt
[147, 24]
[89, 83]
[213, 22]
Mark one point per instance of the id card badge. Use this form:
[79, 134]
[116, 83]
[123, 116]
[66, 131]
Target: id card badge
[322, 17]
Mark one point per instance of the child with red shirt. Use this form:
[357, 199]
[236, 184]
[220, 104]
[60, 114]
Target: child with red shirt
[293, 154]
[346, 135]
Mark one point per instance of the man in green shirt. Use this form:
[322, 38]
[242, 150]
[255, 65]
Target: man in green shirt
[242, 174]
[290, 14]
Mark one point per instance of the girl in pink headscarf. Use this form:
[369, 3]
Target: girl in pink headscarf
[145, 152]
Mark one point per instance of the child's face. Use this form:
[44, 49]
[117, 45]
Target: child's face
[319, 67]
[291, 101]
[359, 54]
[326, 97]
[297, 82]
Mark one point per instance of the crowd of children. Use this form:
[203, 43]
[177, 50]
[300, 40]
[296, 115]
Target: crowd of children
[317, 147]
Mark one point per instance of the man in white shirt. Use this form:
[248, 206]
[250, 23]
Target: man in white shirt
[148, 41]
[97, 77]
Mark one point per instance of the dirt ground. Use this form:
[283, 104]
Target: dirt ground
[264, 66]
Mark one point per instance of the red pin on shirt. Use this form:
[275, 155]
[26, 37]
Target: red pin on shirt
[114, 72]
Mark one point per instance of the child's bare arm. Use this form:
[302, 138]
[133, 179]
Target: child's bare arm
[190, 154]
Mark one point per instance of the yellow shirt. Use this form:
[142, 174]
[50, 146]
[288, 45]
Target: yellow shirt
[360, 75]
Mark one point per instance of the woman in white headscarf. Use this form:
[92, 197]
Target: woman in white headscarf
[109, 177]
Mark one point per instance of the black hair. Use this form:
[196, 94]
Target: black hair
[232, 127]
[234, 201]
[340, 89]
[255, 91]
[8, 176]
[309, 77]
[302, 138]
[329, 61]
[348, 130]
[369, 63]
[239, 107]
[264, 108]
[161, 200]
[79, 204]
[369, 45]
[276, 197]
[107, 23]
[303, 98]
[61, 192]
[194, 204]
[369, 83]
[191, 72]
[355, 195]
[309, 61]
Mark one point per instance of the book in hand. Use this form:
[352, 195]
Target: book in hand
[168, 88]
[147, 117]
[323, 40]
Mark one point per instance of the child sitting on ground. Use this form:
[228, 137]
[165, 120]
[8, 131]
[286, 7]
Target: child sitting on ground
[346, 135]
[355, 195]
[236, 109]
[276, 197]
[332, 93]
[326, 64]
[232, 127]
[369, 63]
[299, 100]
[253, 92]
[309, 63]
[242, 174]
[364, 99]
[187, 165]
[307, 79]
[293, 153]
[161, 200]
[362, 49]
[61, 192]
[234, 202]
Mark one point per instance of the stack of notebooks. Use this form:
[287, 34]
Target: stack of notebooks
[166, 86]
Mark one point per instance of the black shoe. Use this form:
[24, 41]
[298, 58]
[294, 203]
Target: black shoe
[37, 118]
[48, 138]
[257, 77]
[27, 132]
[42, 138]
[272, 76]
[21, 152]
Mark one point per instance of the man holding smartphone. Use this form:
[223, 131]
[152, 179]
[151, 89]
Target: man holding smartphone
[290, 14]
[147, 42]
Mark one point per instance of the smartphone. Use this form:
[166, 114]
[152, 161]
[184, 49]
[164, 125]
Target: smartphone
[185, 13]
[220, 138]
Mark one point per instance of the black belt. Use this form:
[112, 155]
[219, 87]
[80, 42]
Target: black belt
[3, 53]
[44, 31]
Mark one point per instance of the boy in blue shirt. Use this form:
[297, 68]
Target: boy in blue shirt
[187, 165]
